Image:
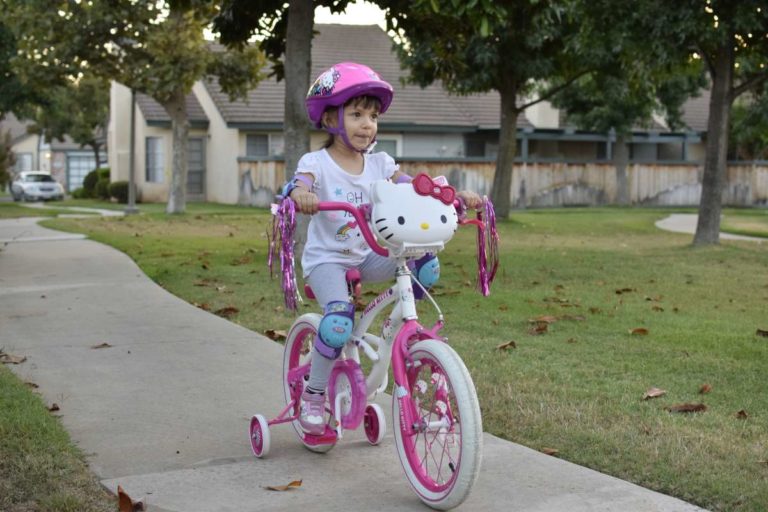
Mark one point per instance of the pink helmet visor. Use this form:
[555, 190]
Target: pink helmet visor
[342, 82]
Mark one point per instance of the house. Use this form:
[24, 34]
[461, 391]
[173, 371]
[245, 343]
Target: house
[67, 162]
[236, 147]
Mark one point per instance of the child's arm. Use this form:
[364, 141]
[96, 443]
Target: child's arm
[301, 193]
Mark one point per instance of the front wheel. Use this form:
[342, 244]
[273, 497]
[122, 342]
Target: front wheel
[441, 451]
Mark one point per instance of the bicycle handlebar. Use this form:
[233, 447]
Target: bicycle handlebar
[362, 214]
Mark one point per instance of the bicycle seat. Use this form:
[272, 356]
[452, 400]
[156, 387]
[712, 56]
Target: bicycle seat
[353, 284]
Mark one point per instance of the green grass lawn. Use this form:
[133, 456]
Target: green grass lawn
[598, 275]
[40, 469]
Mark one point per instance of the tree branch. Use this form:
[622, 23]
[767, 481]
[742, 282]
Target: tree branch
[554, 90]
[753, 82]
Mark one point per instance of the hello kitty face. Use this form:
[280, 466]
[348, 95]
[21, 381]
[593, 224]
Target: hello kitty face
[402, 217]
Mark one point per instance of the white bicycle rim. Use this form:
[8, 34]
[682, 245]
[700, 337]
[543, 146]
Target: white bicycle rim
[470, 422]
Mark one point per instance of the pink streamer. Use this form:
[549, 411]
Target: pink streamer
[281, 243]
[487, 248]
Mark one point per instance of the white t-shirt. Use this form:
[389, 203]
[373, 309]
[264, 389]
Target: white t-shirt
[333, 236]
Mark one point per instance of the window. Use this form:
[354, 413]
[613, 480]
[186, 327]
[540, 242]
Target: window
[387, 146]
[154, 164]
[257, 144]
[263, 144]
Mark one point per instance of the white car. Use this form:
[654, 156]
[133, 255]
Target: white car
[36, 186]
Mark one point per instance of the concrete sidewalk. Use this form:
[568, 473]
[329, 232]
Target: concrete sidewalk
[686, 223]
[164, 410]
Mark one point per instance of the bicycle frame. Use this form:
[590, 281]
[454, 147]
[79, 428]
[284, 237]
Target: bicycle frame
[400, 327]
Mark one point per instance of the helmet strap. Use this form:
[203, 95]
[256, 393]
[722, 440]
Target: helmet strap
[341, 131]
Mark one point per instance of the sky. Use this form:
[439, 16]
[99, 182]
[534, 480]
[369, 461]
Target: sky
[358, 13]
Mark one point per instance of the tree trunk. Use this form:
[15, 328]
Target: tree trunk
[621, 161]
[298, 64]
[711, 205]
[95, 146]
[502, 178]
[177, 193]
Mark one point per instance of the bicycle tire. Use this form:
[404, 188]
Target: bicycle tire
[441, 464]
[297, 352]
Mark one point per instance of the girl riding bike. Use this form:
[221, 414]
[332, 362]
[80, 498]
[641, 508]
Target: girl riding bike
[345, 101]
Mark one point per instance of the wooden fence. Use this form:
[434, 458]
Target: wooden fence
[554, 184]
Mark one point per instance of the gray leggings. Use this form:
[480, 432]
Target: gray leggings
[328, 282]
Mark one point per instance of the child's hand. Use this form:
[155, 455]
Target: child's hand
[471, 199]
[305, 200]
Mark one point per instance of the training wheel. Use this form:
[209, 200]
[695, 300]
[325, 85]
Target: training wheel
[374, 424]
[259, 433]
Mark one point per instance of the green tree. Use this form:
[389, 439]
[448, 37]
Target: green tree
[623, 91]
[152, 47]
[7, 158]
[748, 136]
[520, 48]
[80, 110]
[731, 39]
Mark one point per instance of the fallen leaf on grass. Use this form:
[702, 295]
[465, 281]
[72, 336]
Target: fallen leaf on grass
[704, 389]
[544, 318]
[550, 451]
[204, 306]
[11, 359]
[624, 290]
[657, 309]
[276, 335]
[126, 504]
[538, 328]
[102, 345]
[762, 333]
[507, 345]
[227, 312]
[639, 331]
[742, 414]
[687, 408]
[293, 485]
[654, 393]
[31, 385]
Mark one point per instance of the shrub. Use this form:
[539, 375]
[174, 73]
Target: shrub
[119, 190]
[79, 193]
[102, 189]
[103, 173]
[89, 184]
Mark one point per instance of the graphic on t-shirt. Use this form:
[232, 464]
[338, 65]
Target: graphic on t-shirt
[343, 232]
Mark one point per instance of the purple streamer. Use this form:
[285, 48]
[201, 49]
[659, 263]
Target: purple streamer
[487, 248]
[281, 243]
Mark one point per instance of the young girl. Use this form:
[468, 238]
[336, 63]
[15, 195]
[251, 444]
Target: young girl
[345, 101]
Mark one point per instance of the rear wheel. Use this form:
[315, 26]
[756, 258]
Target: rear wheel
[441, 452]
[296, 360]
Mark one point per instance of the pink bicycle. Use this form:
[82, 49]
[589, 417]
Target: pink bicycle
[435, 412]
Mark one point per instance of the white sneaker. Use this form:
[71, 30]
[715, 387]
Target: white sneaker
[312, 416]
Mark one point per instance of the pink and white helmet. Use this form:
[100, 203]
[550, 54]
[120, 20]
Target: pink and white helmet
[342, 82]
